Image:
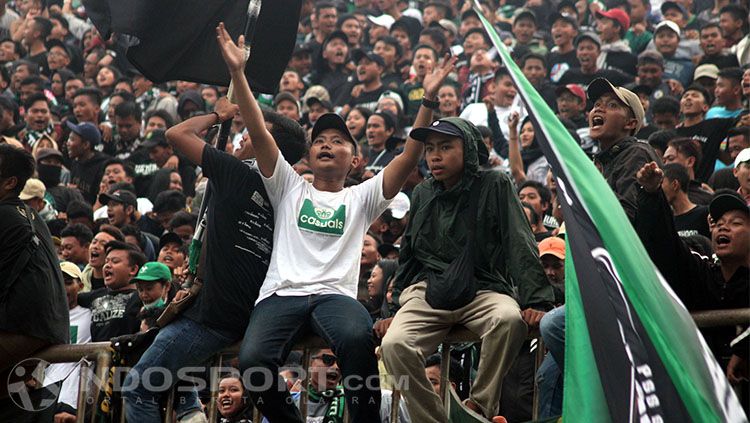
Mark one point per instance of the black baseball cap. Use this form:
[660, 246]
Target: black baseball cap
[437, 127]
[315, 100]
[335, 34]
[725, 202]
[360, 54]
[332, 121]
[571, 19]
[155, 138]
[121, 196]
[168, 238]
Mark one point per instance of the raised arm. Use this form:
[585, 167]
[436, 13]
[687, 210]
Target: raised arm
[395, 174]
[185, 137]
[266, 151]
[514, 151]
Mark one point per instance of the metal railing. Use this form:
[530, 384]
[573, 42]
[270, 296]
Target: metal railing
[100, 355]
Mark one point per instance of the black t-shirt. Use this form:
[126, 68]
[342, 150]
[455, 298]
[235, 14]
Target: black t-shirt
[63, 196]
[239, 242]
[96, 283]
[710, 133]
[87, 174]
[144, 169]
[721, 61]
[366, 99]
[559, 63]
[693, 222]
[113, 313]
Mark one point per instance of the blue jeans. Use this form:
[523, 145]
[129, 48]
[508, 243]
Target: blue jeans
[180, 344]
[550, 374]
[277, 322]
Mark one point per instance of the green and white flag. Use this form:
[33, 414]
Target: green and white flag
[632, 353]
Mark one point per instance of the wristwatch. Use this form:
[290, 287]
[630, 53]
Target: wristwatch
[430, 104]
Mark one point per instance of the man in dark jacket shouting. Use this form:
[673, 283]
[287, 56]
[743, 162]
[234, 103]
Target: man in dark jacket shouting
[503, 271]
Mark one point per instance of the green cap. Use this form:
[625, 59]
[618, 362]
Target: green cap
[154, 271]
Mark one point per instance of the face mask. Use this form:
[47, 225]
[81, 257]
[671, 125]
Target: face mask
[49, 174]
[156, 304]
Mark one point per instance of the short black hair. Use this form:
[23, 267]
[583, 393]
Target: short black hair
[77, 209]
[734, 73]
[135, 257]
[34, 80]
[127, 167]
[92, 93]
[425, 46]
[6, 104]
[60, 18]
[738, 12]
[18, 47]
[290, 137]
[44, 26]
[18, 163]
[79, 231]
[169, 200]
[32, 67]
[536, 56]
[437, 36]
[324, 5]
[677, 172]
[481, 32]
[500, 73]
[544, 193]
[391, 41]
[183, 218]
[707, 97]
[132, 230]
[113, 231]
[688, 147]
[128, 109]
[710, 24]
[33, 99]
[666, 104]
[125, 95]
[455, 370]
[166, 117]
[660, 139]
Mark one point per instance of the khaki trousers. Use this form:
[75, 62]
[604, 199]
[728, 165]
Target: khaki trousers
[417, 330]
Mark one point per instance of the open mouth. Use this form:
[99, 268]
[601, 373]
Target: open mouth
[325, 155]
[597, 121]
[94, 254]
[168, 258]
[108, 273]
[723, 240]
[226, 403]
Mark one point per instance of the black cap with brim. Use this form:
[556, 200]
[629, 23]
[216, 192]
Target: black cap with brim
[170, 238]
[121, 196]
[469, 13]
[566, 17]
[315, 100]
[385, 249]
[156, 138]
[723, 203]
[437, 127]
[360, 54]
[335, 34]
[332, 121]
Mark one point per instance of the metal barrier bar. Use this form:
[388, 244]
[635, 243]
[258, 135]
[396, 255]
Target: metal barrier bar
[101, 353]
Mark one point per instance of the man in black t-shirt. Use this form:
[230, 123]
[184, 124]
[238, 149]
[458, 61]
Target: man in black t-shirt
[689, 218]
[588, 47]
[114, 308]
[238, 243]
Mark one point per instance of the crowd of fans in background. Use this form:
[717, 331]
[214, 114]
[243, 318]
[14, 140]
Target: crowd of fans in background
[121, 202]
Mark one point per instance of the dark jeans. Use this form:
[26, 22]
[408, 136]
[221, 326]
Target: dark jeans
[277, 322]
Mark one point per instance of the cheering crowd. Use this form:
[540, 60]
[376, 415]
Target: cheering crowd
[393, 188]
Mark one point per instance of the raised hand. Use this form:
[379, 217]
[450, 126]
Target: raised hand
[233, 54]
[225, 109]
[513, 122]
[435, 79]
[650, 176]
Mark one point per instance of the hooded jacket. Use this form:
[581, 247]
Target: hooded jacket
[506, 257]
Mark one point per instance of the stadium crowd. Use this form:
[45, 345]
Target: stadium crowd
[395, 157]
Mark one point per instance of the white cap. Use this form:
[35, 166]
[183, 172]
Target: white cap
[669, 24]
[382, 20]
[34, 188]
[743, 157]
[706, 70]
[400, 206]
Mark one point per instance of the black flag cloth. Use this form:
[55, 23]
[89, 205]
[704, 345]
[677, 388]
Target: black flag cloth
[176, 39]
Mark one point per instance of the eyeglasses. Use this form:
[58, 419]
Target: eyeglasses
[327, 359]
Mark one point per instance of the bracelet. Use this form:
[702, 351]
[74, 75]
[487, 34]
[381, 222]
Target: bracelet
[218, 118]
[430, 104]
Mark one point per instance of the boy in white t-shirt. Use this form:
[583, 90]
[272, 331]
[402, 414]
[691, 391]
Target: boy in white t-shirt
[311, 284]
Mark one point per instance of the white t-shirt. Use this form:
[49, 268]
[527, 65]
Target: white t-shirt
[476, 113]
[80, 333]
[318, 235]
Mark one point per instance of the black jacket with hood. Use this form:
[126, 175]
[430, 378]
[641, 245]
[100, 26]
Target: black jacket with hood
[506, 257]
